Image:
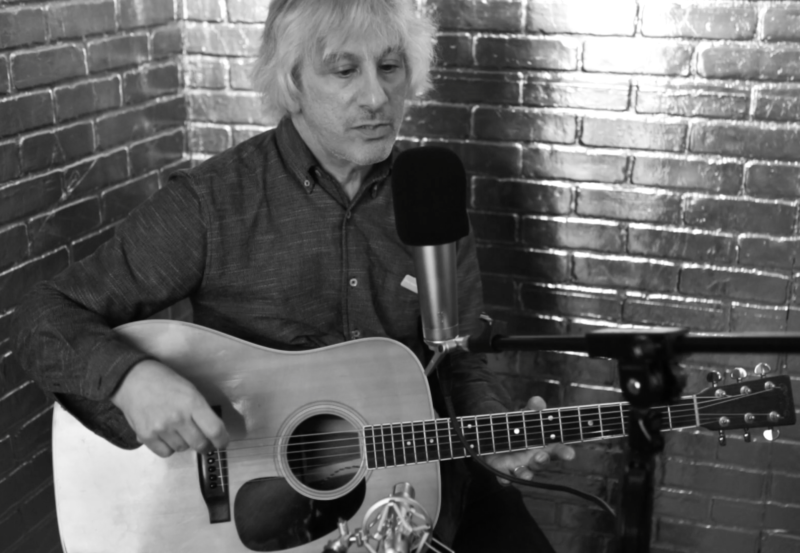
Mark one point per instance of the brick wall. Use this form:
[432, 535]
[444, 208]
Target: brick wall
[92, 117]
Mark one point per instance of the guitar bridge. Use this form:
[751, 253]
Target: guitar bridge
[212, 468]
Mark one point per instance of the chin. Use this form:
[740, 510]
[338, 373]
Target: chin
[372, 153]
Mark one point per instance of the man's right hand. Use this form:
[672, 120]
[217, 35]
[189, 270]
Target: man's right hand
[167, 412]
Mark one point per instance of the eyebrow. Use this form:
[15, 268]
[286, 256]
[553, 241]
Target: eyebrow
[336, 57]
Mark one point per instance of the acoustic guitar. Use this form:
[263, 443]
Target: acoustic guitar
[315, 436]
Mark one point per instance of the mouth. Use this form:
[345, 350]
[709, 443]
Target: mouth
[374, 130]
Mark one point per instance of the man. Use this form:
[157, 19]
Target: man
[286, 240]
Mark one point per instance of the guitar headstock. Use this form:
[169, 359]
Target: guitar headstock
[756, 403]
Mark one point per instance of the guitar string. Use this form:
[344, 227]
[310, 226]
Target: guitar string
[568, 415]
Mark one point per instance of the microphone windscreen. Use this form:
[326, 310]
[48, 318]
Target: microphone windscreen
[429, 187]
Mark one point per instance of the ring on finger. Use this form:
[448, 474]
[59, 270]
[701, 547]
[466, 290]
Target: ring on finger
[515, 469]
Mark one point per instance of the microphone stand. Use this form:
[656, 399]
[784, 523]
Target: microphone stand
[646, 359]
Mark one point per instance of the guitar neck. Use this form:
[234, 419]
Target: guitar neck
[406, 443]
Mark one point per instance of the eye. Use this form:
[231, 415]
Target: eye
[345, 72]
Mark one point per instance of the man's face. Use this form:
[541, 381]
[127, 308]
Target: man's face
[352, 103]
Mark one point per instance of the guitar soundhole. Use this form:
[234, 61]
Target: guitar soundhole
[324, 452]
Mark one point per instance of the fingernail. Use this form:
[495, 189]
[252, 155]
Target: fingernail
[541, 457]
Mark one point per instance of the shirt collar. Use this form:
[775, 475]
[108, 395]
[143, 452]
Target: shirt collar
[305, 167]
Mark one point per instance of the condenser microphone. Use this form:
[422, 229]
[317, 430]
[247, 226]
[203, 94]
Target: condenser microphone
[429, 186]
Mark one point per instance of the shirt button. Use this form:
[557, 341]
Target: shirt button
[353, 282]
[307, 183]
[347, 215]
[356, 334]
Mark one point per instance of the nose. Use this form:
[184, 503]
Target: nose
[373, 92]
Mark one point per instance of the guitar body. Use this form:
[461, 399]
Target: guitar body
[110, 499]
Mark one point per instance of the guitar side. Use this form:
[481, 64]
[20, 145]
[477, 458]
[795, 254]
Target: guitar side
[133, 501]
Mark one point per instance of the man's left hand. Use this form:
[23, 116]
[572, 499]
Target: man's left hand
[523, 464]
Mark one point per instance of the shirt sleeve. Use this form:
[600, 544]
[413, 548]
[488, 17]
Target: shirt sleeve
[65, 339]
[476, 389]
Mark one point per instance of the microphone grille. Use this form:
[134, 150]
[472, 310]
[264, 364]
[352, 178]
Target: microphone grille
[429, 187]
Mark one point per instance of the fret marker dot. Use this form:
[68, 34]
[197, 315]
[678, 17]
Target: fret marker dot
[552, 436]
[550, 418]
[591, 423]
[469, 426]
[430, 441]
[408, 443]
[516, 431]
[472, 446]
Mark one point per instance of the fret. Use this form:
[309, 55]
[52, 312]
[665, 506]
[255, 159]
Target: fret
[409, 451]
[570, 425]
[612, 423]
[470, 432]
[388, 454]
[431, 441]
[560, 425]
[491, 433]
[534, 436]
[541, 424]
[397, 444]
[506, 438]
[590, 423]
[445, 440]
[517, 432]
[600, 418]
[401, 442]
[696, 411]
[622, 418]
[420, 448]
[369, 442]
[580, 424]
[669, 417]
[552, 433]
[485, 434]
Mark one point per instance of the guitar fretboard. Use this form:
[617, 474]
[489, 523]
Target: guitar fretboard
[407, 443]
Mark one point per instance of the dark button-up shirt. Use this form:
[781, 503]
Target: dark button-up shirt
[269, 249]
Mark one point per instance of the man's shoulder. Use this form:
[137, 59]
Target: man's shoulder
[251, 157]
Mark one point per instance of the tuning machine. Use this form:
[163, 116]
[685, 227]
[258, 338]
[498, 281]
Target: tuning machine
[762, 370]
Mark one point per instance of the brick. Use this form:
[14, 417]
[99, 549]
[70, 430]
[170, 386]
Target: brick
[550, 301]
[227, 107]
[732, 284]
[33, 436]
[498, 160]
[762, 252]
[692, 506]
[26, 401]
[87, 245]
[143, 13]
[90, 176]
[120, 201]
[785, 456]
[572, 234]
[43, 67]
[782, 517]
[223, 39]
[520, 124]
[706, 538]
[725, 20]
[5, 82]
[781, 23]
[139, 123]
[13, 245]
[498, 291]
[204, 10]
[555, 163]
[166, 42]
[475, 87]
[116, 52]
[521, 196]
[742, 514]
[772, 180]
[39, 507]
[209, 139]
[527, 53]
[637, 55]
[22, 27]
[617, 17]
[618, 272]
[473, 15]
[779, 543]
[80, 19]
[247, 11]
[29, 196]
[724, 481]
[454, 50]
[45, 150]
[206, 72]
[9, 161]
[735, 215]
[692, 100]
[785, 488]
[700, 316]
[436, 120]
[777, 104]
[63, 225]
[11, 374]
[494, 227]
[150, 83]
[87, 98]
[12, 528]
[6, 463]
[629, 205]
[240, 74]
[750, 318]
[745, 140]
[16, 487]
[688, 174]
[572, 367]
[681, 244]
[156, 153]
[240, 134]
[631, 133]
[542, 266]
[749, 61]
[604, 92]
[44, 537]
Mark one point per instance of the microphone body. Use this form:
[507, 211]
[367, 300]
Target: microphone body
[438, 294]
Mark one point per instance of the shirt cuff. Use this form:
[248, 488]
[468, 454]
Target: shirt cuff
[109, 363]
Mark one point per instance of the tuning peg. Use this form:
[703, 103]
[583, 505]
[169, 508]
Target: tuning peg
[747, 437]
[722, 439]
[762, 370]
[739, 374]
[714, 377]
[772, 434]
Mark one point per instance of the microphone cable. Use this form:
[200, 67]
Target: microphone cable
[446, 383]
